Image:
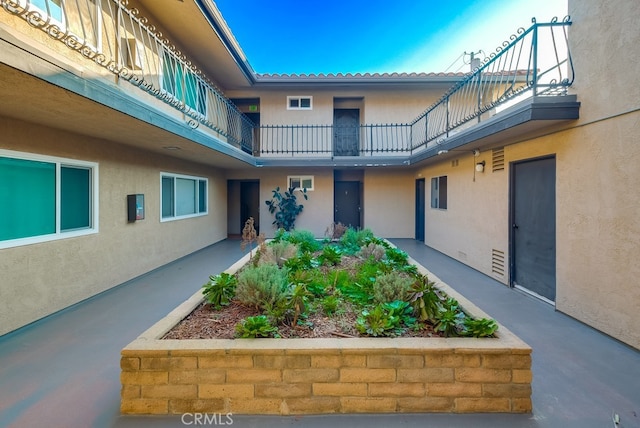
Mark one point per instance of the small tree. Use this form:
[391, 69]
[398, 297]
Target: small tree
[285, 207]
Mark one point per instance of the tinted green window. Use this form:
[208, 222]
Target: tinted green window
[167, 197]
[202, 196]
[51, 7]
[75, 198]
[27, 197]
[185, 196]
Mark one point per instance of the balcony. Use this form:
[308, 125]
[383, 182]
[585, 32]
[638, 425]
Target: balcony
[520, 89]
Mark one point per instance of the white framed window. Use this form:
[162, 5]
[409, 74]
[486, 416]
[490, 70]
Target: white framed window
[299, 102]
[300, 182]
[182, 196]
[183, 84]
[81, 18]
[45, 198]
[439, 192]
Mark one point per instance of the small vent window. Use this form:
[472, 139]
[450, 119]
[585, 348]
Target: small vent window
[497, 160]
[497, 263]
[299, 102]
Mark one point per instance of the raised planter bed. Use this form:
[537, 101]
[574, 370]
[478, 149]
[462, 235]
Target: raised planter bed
[315, 376]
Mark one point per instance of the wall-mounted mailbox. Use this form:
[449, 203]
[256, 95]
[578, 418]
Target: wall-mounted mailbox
[135, 207]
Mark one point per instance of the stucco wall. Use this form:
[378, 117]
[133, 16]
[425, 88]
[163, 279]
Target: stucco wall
[389, 203]
[317, 214]
[46, 277]
[380, 106]
[476, 219]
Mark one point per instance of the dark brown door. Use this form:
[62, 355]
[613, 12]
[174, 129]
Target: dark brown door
[346, 130]
[347, 203]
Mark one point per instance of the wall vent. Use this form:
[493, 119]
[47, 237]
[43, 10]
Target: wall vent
[497, 159]
[497, 263]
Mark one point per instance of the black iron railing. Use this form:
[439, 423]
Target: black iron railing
[329, 140]
[535, 62]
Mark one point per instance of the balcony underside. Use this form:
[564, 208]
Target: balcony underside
[42, 87]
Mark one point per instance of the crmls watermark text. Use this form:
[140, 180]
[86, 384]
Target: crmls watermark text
[207, 419]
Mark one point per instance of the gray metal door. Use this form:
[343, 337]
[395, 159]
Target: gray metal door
[347, 203]
[346, 130]
[533, 226]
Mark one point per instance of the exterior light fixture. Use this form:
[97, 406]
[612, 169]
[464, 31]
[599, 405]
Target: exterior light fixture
[480, 166]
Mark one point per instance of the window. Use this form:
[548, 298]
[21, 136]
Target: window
[183, 84]
[299, 103]
[439, 192]
[300, 182]
[45, 198]
[82, 19]
[182, 196]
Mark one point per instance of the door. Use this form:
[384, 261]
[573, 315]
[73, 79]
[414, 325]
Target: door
[533, 226]
[420, 207]
[346, 202]
[346, 129]
[250, 203]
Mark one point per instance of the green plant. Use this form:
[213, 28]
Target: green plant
[330, 256]
[220, 289]
[450, 319]
[401, 309]
[353, 240]
[285, 207]
[278, 253]
[297, 301]
[482, 327]
[425, 299]
[330, 304]
[391, 286]
[304, 240]
[261, 285]
[383, 319]
[396, 257]
[258, 326]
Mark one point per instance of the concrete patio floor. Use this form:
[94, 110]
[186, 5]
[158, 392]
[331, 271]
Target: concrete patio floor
[63, 371]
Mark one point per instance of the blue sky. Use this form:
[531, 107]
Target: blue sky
[358, 36]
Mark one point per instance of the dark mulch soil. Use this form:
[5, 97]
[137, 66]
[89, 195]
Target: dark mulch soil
[206, 323]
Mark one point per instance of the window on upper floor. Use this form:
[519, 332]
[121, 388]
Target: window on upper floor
[45, 198]
[182, 196]
[81, 18]
[439, 192]
[299, 102]
[183, 84]
[300, 182]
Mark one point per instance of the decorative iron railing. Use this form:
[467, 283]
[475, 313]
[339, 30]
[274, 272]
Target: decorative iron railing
[329, 140]
[118, 39]
[535, 62]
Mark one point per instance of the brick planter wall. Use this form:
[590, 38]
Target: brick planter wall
[313, 376]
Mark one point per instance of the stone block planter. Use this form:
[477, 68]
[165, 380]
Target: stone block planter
[315, 376]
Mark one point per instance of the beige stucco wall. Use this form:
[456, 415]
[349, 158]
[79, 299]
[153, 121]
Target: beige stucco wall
[475, 221]
[389, 202]
[597, 182]
[317, 213]
[379, 106]
[46, 277]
